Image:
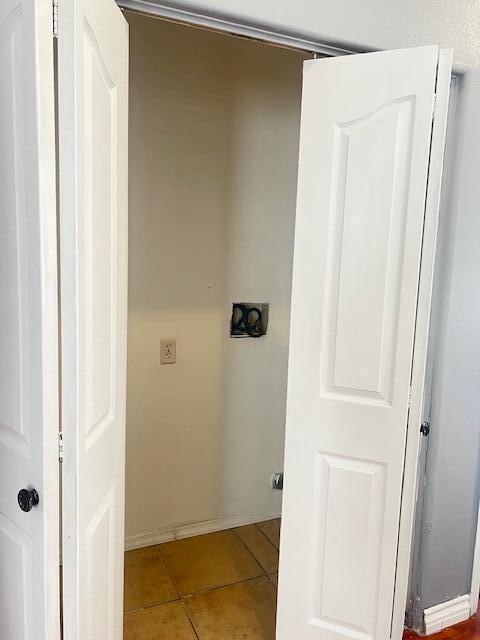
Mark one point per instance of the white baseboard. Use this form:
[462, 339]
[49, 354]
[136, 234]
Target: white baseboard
[447, 613]
[196, 529]
[474, 596]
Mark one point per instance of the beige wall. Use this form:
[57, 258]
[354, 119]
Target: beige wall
[213, 146]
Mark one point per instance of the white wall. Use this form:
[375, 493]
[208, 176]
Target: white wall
[371, 24]
[449, 519]
[213, 124]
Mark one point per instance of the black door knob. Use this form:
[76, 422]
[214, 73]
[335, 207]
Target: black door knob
[27, 498]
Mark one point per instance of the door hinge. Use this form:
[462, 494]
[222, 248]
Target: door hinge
[434, 103]
[55, 18]
[425, 428]
[60, 446]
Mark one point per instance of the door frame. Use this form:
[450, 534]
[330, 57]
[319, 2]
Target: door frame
[412, 449]
[243, 29]
[468, 121]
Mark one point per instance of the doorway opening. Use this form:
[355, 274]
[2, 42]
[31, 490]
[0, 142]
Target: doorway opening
[214, 122]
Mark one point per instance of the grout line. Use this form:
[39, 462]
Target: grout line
[270, 578]
[170, 574]
[159, 604]
[190, 619]
[224, 586]
[265, 535]
[177, 589]
[150, 605]
[189, 596]
[250, 552]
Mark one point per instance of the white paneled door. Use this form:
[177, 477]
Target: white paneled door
[29, 538]
[93, 103]
[365, 150]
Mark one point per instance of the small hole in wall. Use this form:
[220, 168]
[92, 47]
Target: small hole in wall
[249, 319]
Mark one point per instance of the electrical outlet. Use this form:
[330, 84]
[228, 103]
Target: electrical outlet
[168, 351]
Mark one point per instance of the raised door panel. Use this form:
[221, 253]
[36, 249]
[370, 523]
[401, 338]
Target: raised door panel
[367, 217]
[100, 569]
[349, 494]
[14, 349]
[100, 243]
[16, 586]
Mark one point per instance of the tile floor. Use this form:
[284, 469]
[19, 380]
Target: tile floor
[219, 586]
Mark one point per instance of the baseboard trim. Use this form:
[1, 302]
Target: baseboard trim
[194, 529]
[447, 613]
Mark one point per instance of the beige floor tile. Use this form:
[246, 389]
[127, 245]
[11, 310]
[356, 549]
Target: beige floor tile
[209, 561]
[260, 546]
[162, 622]
[244, 611]
[271, 528]
[274, 578]
[146, 579]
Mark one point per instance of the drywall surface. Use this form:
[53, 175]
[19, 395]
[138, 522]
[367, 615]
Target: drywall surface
[214, 123]
[368, 25]
[450, 504]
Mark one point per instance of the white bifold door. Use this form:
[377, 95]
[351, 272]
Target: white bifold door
[29, 527]
[93, 134]
[363, 261]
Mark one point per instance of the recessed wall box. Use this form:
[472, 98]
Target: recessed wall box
[249, 319]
